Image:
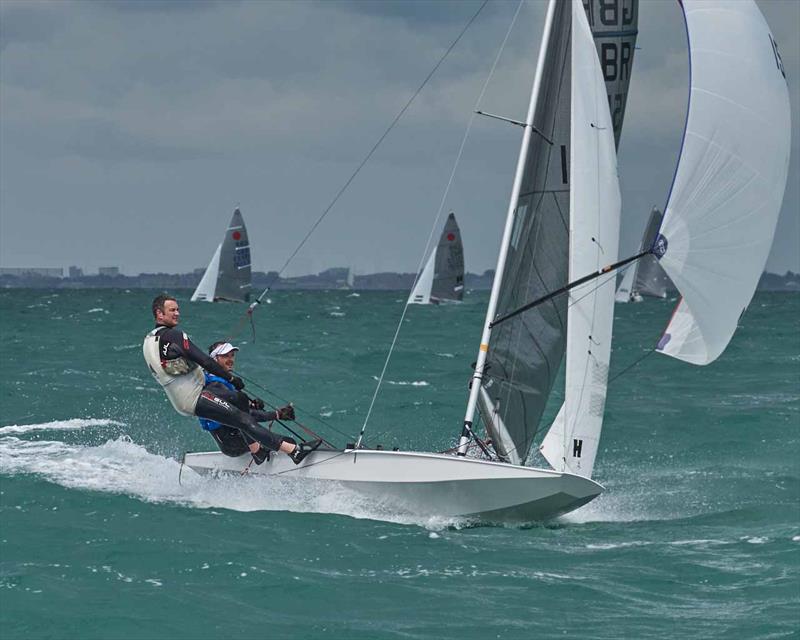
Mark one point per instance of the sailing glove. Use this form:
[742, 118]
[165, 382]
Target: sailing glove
[237, 383]
[286, 413]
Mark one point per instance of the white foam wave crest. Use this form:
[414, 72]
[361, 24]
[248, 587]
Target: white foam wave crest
[404, 383]
[621, 504]
[60, 425]
[124, 467]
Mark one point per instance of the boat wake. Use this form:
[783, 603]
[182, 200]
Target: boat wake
[121, 466]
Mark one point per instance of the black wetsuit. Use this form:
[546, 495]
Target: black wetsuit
[234, 441]
[216, 402]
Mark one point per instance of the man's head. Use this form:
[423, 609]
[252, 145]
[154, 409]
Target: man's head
[166, 311]
[224, 353]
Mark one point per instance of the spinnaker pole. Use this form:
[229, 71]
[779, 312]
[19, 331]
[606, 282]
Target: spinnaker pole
[491, 310]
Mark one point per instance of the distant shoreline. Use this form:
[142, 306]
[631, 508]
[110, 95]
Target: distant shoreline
[331, 279]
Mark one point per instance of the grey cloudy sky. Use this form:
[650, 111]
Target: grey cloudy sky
[130, 130]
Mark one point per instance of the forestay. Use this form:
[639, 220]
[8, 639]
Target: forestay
[525, 352]
[594, 240]
[728, 188]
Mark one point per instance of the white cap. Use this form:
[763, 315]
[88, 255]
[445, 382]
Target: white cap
[222, 349]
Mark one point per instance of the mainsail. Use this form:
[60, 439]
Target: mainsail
[566, 223]
[227, 276]
[442, 279]
[448, 277]
[614, 28]
[525, 352]
[726, 196]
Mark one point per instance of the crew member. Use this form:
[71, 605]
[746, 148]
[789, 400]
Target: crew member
[232, 442]
[175, 363]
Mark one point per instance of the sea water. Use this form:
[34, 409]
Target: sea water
[103, 535]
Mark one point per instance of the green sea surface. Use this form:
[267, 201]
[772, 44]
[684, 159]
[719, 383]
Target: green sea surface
[696, 536]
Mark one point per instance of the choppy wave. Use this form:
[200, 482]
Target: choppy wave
[404, 383]
[124, 467]
[60, 425]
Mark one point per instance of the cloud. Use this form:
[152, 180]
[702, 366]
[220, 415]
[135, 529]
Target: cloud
[128, 112]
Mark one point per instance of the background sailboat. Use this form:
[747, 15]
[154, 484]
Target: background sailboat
[227, 276]
[442, 279]
[645, 277]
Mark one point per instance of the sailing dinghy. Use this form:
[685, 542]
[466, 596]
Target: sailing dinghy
[227, 276]
[442, 279]
[645, 277]
[563, 224]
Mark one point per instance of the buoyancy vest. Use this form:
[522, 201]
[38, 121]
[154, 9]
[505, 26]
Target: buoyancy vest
[211, 425]
[182, 379]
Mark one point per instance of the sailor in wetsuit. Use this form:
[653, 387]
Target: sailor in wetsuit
[175, 363]
[232, 442]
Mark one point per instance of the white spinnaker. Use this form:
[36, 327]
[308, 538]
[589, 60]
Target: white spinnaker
[422, 292]
[728, 188]
[624, 291]
[594, 242]
[208, 283]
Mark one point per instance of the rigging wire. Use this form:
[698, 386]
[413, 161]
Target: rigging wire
[438, 215]
[361, 164]
[308, 413]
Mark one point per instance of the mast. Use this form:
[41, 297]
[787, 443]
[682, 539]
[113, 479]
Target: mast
[491, 310]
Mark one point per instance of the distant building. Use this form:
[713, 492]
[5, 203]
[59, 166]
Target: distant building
[75, 272]
[110, 272]
[42, 272]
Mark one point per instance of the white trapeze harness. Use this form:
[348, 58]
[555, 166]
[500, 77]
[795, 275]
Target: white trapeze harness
[182, 379]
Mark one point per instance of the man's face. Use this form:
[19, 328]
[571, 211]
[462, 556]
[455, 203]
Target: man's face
[227, 361]
[171, 314]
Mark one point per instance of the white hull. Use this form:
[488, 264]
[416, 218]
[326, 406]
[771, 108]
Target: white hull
[426, 484]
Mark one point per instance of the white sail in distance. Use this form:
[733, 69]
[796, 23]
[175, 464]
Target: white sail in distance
[208, 283]
[442, 279]
[571, 444]
[228, 275]
[645, 277]
[728, 189]
[625, 288]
